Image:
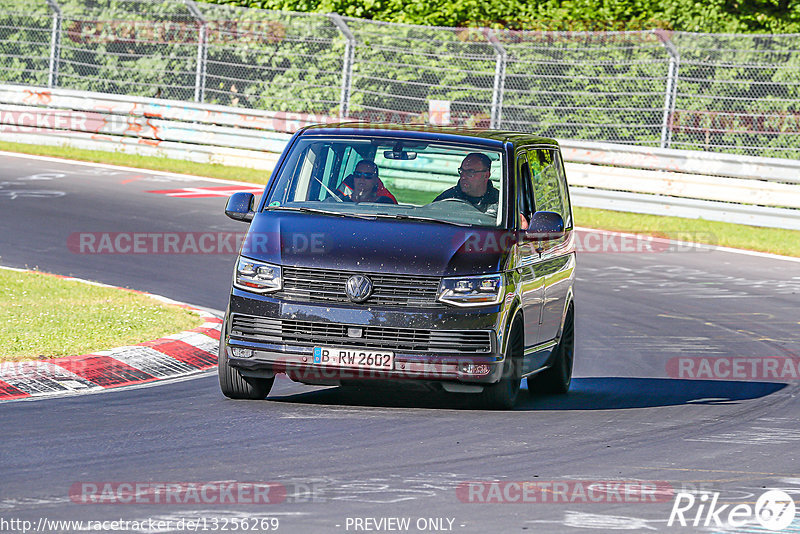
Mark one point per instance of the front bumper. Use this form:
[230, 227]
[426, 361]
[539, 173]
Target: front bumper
[276, 354]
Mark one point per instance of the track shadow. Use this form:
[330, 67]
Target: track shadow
[597, 393]
[617, 393]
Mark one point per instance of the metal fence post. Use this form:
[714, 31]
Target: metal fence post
[347, 63]
[499, 80]
[202, 52]
[55, 44]
[671, 89]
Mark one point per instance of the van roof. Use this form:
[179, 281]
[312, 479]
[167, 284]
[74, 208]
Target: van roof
[423, 131]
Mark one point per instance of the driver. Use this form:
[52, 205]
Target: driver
[473, 184]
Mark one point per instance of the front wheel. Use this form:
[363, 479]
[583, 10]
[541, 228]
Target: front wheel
[557, 378]
[236, 386]
[503, 395]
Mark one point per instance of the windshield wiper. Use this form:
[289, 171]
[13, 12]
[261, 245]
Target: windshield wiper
[316, 210]
[402, 216]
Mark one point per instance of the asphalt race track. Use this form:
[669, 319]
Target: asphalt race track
[337, 460]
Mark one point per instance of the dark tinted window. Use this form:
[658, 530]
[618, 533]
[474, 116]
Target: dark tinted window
[526, 200]
[548, 182]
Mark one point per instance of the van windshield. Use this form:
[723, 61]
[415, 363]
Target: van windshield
[393, 178]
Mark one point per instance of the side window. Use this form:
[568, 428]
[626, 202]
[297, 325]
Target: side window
[540, 159]
[321, 174]
[339, 162]
[304, 170]
[564, 189]
[548, 186]
[525, 198]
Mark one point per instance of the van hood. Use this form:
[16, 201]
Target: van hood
[379, 245]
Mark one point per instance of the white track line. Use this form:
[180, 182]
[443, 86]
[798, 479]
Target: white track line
[130, 169]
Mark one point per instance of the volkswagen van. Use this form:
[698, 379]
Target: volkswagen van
[440, 257]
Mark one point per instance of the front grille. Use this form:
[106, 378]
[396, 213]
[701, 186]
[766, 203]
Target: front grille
[249, 328]
[316, 285]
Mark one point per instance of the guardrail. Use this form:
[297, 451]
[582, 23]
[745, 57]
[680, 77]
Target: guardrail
[203, 133]
[714, 186]
[684, 183]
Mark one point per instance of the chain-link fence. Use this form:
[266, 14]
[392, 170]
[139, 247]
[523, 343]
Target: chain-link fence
[732, 93]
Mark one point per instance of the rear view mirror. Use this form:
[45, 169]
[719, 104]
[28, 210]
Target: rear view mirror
[545, 226]
[402, 155]
[240, 207]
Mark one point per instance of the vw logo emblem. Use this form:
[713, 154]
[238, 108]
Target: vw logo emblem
[358, 288]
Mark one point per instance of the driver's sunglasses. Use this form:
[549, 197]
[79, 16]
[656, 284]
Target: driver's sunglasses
[365, 175]
[470, 172]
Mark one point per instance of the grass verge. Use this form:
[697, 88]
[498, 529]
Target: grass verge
[46, 317]
[774, 240]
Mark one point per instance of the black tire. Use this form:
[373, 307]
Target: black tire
[503, 394]
[236, 386]
[557, 378]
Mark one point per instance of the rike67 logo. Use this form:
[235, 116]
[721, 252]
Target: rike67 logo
[774, 510]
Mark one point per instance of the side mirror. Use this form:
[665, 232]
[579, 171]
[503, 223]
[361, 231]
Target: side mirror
[545, 226]
[240, 207]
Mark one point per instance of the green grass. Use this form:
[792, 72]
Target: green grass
[46, 317]
[774, 240]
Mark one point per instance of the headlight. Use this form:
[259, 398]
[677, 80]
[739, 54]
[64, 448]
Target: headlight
[257, 276]
[472, 290]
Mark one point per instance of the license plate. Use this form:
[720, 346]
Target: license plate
[354, 358]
